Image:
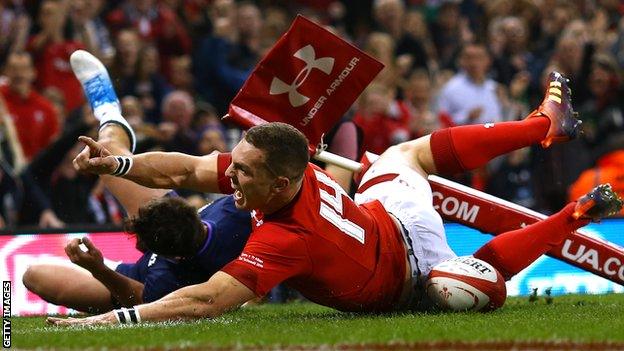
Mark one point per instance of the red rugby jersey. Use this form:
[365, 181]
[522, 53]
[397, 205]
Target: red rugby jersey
[332, 251]
[35, 120]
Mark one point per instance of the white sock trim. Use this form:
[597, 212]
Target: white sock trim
[109, 114]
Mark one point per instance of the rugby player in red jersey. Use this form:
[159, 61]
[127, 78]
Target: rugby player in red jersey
[371, 254]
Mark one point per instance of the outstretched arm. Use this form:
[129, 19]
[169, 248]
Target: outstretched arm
[154, 169]
[207, 300]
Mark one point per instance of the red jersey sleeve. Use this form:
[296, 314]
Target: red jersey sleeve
[269, 258]
[223, 162]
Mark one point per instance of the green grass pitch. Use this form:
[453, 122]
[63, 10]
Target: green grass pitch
[574, 318]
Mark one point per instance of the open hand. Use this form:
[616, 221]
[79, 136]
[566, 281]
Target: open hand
[102, 319]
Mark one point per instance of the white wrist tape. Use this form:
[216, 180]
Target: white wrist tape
[127, 315]
[123, 167]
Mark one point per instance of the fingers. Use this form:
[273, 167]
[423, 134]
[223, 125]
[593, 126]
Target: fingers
[88, 243]
[75, 253]
[53, 320]
[81, 162]
[89, 142]
[96, 148]
[72, 249]
[86, 162]
[62, 321]
[93, 252]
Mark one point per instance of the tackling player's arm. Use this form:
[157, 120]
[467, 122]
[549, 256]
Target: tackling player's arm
[219, 294]
[164, 170]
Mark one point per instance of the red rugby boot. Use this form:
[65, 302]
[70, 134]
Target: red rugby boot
[557, 106]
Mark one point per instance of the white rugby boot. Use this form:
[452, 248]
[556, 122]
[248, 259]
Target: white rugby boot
[99, 90]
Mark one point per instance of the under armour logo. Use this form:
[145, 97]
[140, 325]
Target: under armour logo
[489, 125]
[306, 54]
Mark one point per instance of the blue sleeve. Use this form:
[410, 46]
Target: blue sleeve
[160, 280]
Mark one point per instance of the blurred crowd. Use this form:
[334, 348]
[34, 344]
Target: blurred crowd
[176, 65]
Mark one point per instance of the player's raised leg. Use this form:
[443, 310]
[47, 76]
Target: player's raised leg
[455, 150]
[115, 134]
[513, 251]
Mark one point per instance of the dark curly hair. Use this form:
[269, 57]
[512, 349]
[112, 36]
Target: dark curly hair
[285, 147]
[168, 226]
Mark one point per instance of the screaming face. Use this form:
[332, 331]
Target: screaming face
[250, 178]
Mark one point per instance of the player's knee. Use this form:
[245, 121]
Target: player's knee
[31, 278]
[415, 146]
[36, 279]
[418, 152]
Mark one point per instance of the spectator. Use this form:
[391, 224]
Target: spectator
[56, 97]
[449, 31]
[572, 57]
[416, 27]
[66, 192]
[224, 60]
[508, 42]
[383, 119]
[553, 21]
[90, 29]
[154, 23]
[344, 139]
[276, 22]
[176, 133]
[390, 16]
[418, 95]
[193, 15]
[34, 116]
[602, 114]
[11, 151]
[127, 48]
[381, 46]
[51, 51]
[181, 73]
[147, 133]
[470, 97]
[147, 83]
[210, 140]
[14, 27]
[12, 161]
[152, 55]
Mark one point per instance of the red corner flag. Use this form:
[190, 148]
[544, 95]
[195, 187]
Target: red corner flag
[309, 79]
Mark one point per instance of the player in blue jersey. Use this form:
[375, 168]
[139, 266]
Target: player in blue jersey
[182, 246]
